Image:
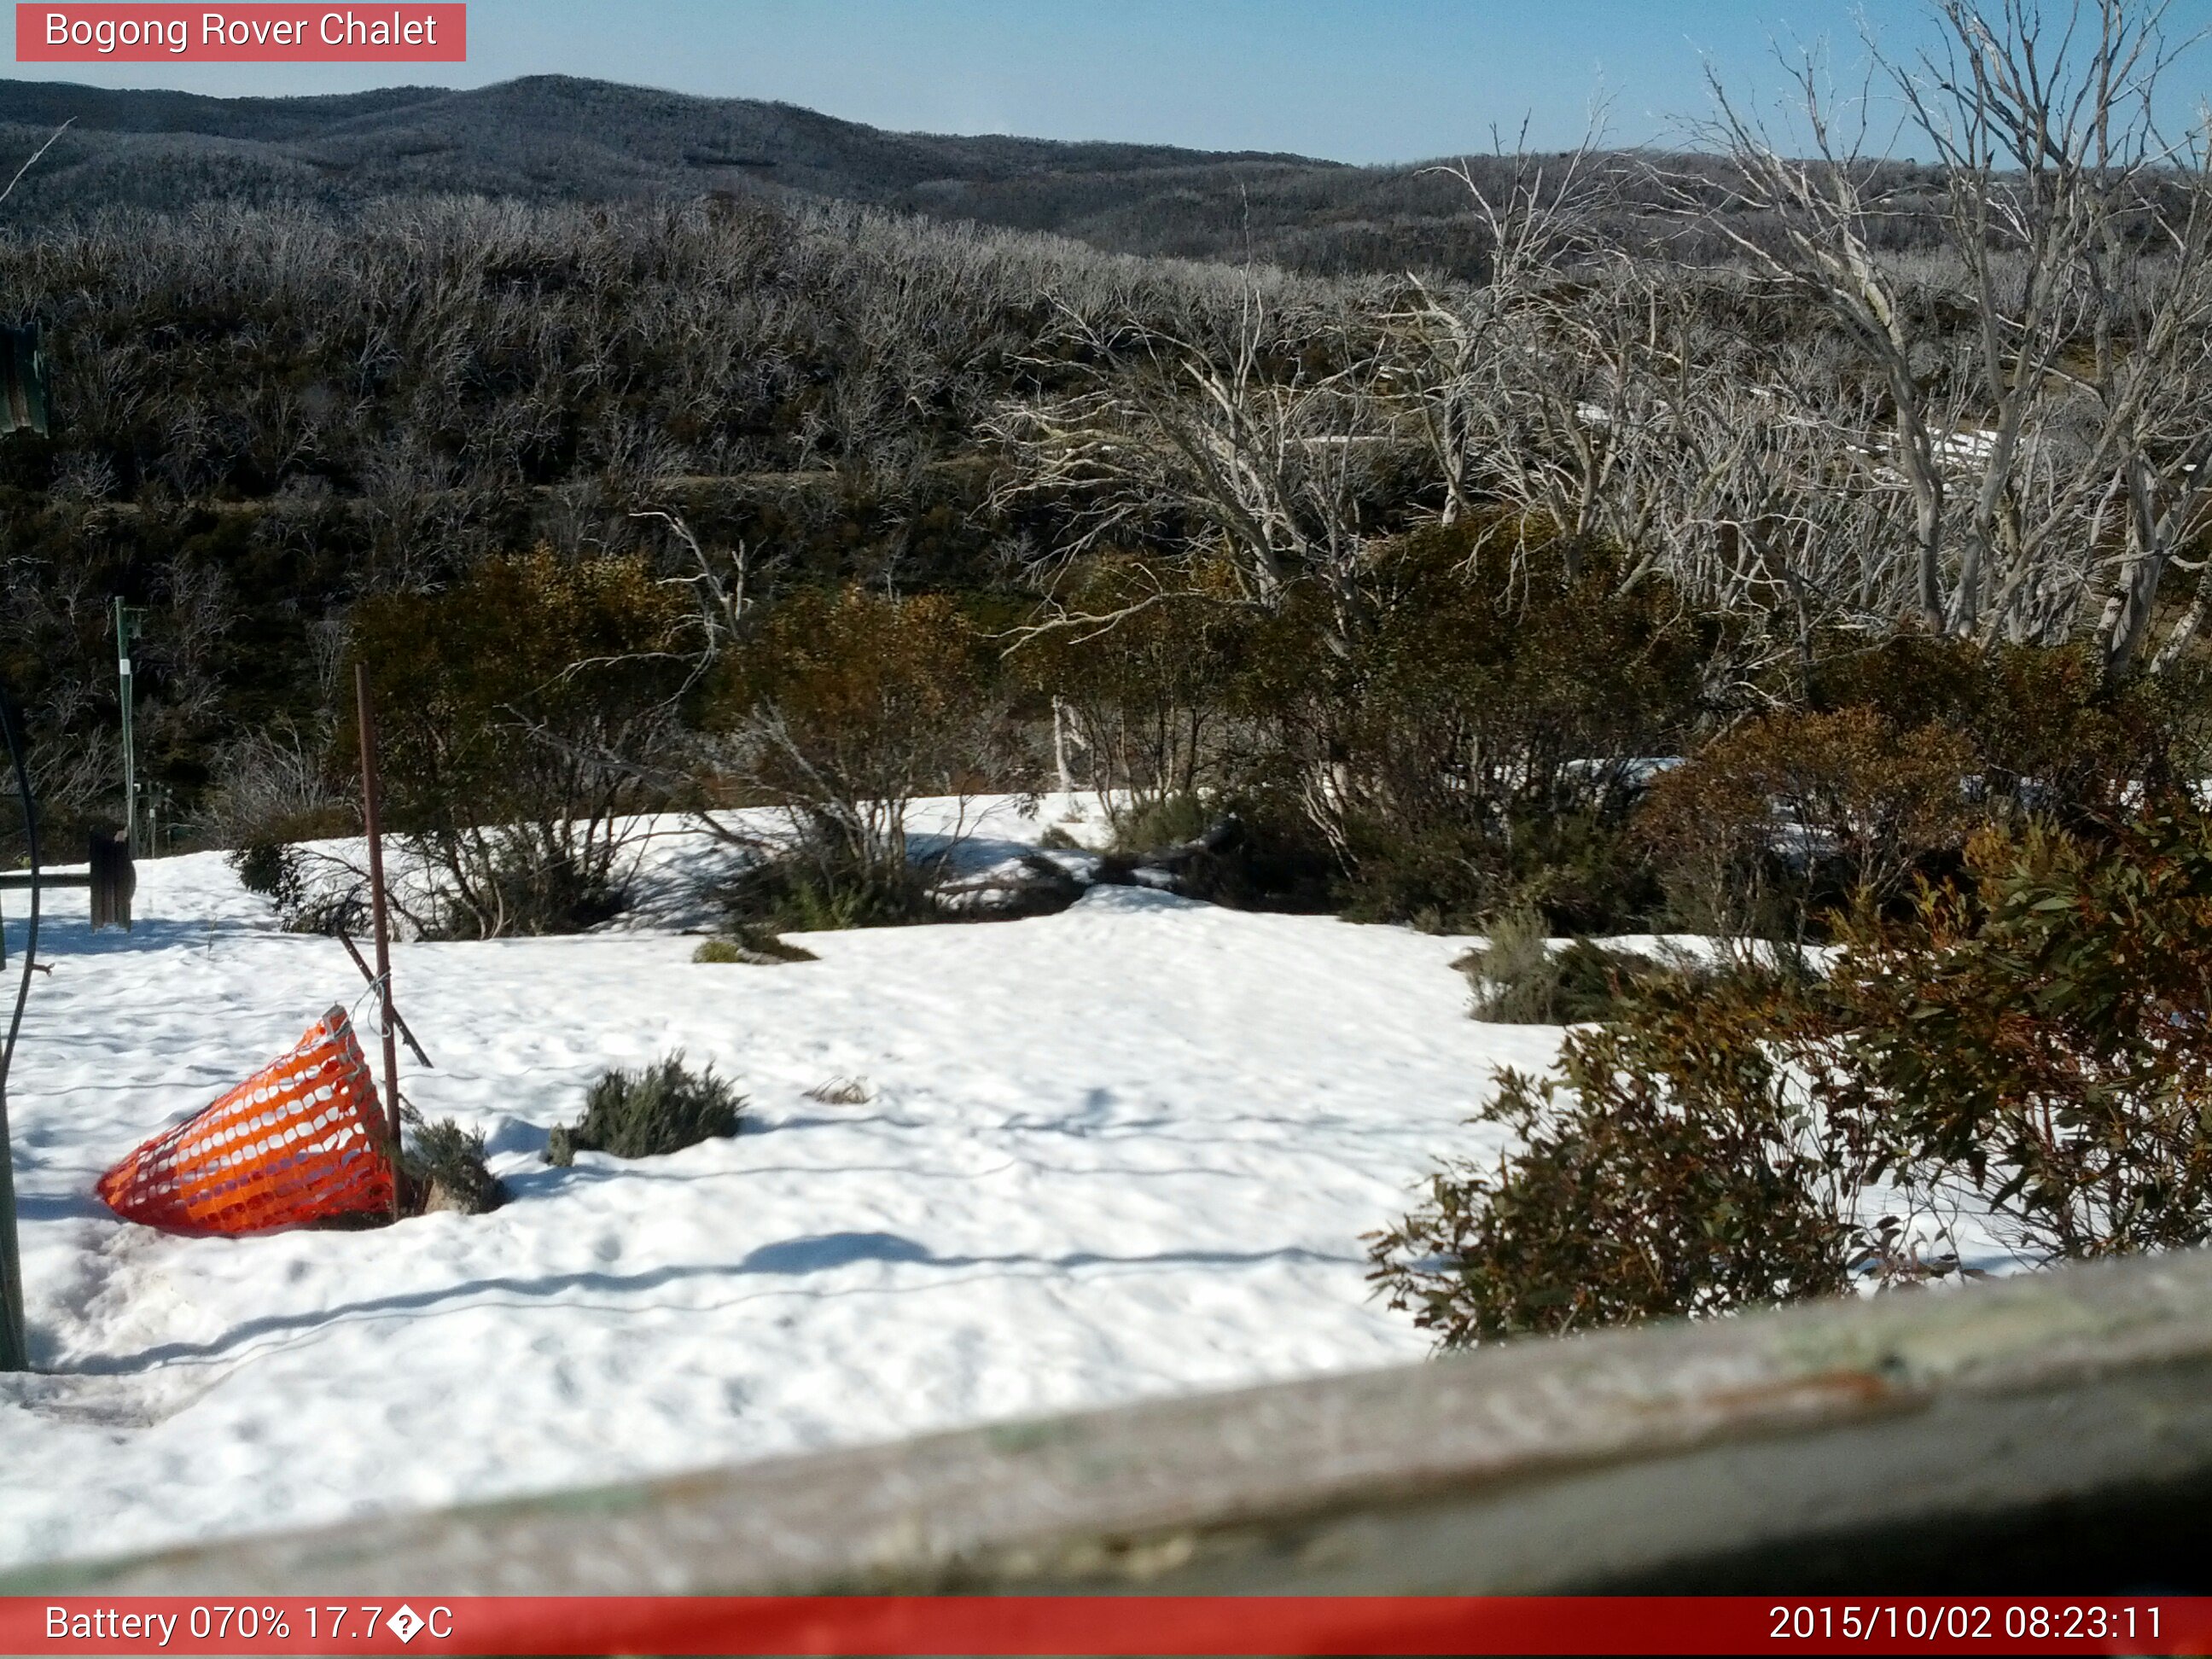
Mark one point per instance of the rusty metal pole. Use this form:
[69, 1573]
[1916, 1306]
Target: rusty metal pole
[370, 804]
[14, 1349]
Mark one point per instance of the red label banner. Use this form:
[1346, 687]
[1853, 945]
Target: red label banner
[119, 32]
[1134, 1624]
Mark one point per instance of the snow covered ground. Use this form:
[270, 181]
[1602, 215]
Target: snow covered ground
[1122, 1151]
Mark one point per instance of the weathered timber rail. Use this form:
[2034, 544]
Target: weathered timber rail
[2052, 1431]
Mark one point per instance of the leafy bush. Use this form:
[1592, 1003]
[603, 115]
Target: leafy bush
[843, 708]
[1163, 821]
[330, 909]
[1476, 743]
[1514, 976]
[2050, 732]
[442, 1167]
[1146, 708]
[311, 893]
[519, 713]
[1255, 852]
[1793, 811]
[1580, 862]
[269, 870]
[528, 878]
[1670, 1170]
[1254, 855]
[2030, 1042]
[2038, 1037]
[662, 1108]
[819, 888]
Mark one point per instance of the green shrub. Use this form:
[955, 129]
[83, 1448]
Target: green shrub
[1591, 978]
[523, 879]
[817, 887]
[1274, 860]
[1519, 979]
[278, 871]
[522, 713]
[1166, 821]
[1251, 854]
[1585, 867]
[1515, 978]
[1145, 705]
[269, 870]
[1669, 1170]
[843, 708]
[328, 911]
[2037, 1035]
[442, 1168]
[1472, 745]
[1441, 878]
[2028, 1041]
[662, 1108]
[2049, 732]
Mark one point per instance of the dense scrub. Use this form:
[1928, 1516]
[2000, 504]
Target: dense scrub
[264, 416]
[841, 709]
[1665, 1171]
[519, 713]
[1210, 543]
[2028, 1041]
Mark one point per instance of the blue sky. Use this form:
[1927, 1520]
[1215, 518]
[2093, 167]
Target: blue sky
[1353, 80]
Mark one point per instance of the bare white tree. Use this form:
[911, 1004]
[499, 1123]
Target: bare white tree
[1513, 380]
[1256, 454]
[2044, 375]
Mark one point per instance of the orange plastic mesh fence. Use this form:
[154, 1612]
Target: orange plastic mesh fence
[299, 1140]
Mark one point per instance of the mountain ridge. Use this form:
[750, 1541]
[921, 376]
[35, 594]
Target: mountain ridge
[550, 137]
[645, 122]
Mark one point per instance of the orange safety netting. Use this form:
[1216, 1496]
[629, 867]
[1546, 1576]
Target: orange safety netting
[299, 1140]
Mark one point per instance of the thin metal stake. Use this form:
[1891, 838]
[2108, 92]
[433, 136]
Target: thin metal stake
[370, 808]
[125, 617]
[15, 1348]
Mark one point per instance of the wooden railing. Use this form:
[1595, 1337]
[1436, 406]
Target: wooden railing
[1974, 1437]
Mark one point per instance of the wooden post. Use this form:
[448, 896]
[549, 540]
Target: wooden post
[369, 809]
